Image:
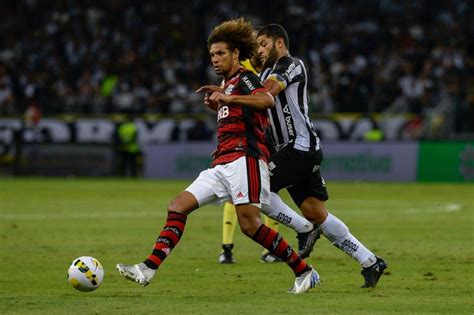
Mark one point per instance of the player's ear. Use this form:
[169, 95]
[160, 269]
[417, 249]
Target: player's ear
[280, 43]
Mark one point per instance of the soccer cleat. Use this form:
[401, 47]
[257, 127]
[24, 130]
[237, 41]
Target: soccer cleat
[268, 257]
[305, 282]
[372, 274]
[226, 256]
[139, 273]
[307, 240]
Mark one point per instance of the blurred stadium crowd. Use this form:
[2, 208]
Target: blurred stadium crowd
[95, 57]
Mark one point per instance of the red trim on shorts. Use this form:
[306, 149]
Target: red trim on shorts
[253, 179]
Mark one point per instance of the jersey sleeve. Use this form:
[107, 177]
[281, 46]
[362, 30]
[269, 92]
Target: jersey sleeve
[285, 72]
[250, 83]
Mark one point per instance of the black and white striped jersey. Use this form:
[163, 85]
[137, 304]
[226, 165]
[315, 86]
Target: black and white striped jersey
[289, 118]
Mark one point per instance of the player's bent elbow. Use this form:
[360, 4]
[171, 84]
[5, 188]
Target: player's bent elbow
[269, 101]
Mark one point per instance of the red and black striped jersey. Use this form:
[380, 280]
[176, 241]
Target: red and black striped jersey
[241, 129]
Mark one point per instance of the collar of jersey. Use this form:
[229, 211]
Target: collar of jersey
[235, 74]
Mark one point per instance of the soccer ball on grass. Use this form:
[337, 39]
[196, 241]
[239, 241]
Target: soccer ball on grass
[85, 273]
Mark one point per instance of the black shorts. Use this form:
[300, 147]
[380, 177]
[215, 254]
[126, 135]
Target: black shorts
[299, 172]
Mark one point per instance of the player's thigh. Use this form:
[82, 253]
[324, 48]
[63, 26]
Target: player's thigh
[313, 186]
[287, 167]
[208, 188]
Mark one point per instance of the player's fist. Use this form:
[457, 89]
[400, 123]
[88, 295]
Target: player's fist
[211, 104]
[209, 89]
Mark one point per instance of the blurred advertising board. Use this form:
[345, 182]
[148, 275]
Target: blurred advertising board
[446, 161]
[66, 160]
[342, 161]
[177, 161]
[391, 161]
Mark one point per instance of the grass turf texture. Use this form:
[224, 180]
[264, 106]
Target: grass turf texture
[424, 231]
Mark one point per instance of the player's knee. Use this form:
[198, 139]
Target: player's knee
[184, 203]
[249, 225]
[314, 210]
[248, 229]
[175, 206]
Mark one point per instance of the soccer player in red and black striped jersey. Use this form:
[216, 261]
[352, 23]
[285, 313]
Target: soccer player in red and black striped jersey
[306, 232]
[239, 170]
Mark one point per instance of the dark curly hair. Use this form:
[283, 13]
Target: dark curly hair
[238, 33]
[275, 31]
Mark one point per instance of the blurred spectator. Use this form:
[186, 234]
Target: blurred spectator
[7, 100]
[31, 130]
[199, 131]
[108, 56]
[32, 116]
[127, 146]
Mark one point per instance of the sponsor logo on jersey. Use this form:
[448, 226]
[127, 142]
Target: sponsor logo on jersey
[223, 112]
[291, 67]
[289, 125]
[228, 90]
[248, 83]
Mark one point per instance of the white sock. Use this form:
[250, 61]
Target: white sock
[280, 212]
[337, 232]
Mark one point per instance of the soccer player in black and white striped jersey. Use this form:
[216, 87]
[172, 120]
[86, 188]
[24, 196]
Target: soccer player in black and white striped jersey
[296, 163]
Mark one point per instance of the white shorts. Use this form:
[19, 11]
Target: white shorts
[245, 180]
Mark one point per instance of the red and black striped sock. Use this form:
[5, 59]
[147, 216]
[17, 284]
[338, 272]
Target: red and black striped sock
[278, 246]
[167, 240]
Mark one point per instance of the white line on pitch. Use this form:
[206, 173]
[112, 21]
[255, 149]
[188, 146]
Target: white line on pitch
[444, 208]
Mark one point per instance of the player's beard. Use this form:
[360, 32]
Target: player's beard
[272, 58]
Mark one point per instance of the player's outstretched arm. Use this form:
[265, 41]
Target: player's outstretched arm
[259, 100]
[210, 88]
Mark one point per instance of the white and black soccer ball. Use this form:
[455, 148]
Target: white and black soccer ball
[85, 273]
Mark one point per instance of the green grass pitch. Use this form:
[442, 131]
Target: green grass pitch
[424, 231]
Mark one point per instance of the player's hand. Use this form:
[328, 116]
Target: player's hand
[210, 100]
[209, 88]
[211, 104]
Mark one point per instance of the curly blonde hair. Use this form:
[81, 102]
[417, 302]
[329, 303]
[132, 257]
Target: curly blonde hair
[238, 33]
